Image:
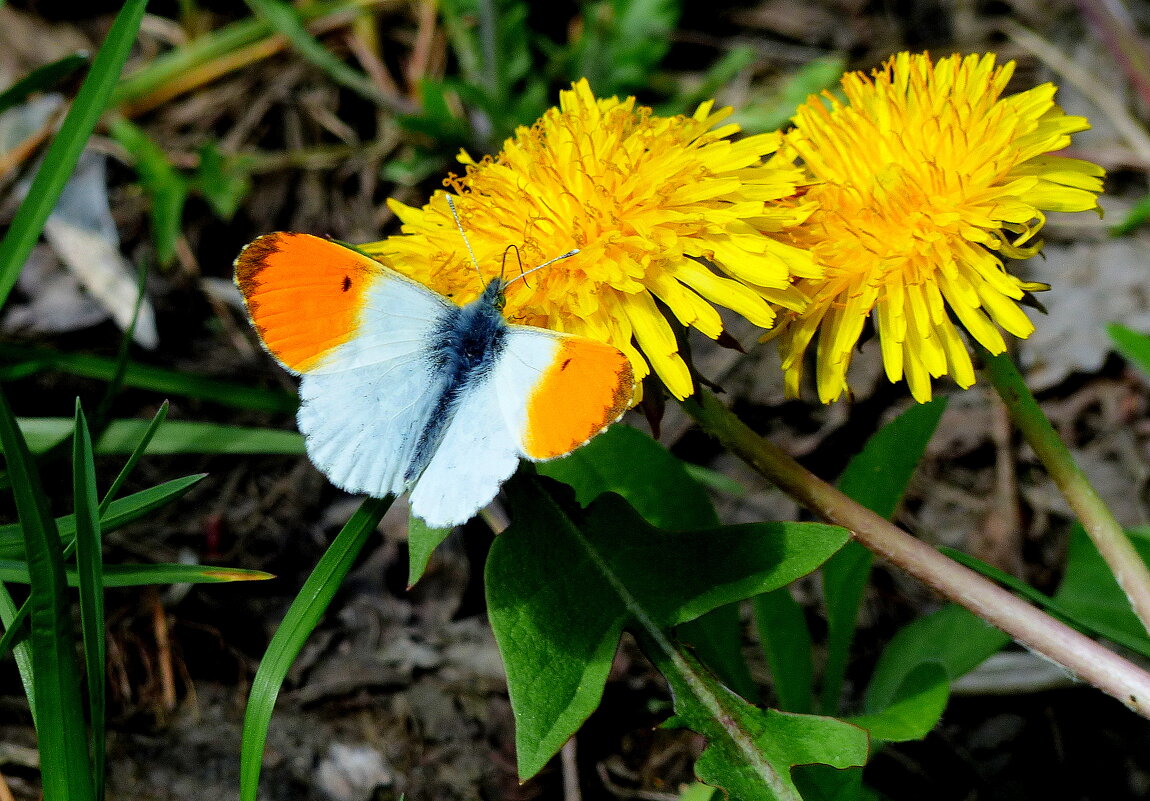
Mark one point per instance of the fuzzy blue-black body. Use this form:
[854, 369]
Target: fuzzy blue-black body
[464, 347]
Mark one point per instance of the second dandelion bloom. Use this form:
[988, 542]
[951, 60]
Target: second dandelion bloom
[669, 214]
[925, 180]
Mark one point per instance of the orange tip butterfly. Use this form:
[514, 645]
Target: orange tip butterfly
[404, 390]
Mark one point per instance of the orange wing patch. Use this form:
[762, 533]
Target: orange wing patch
[588, 387]
[304, 294]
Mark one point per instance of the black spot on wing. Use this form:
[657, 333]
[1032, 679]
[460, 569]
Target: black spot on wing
[346, 283]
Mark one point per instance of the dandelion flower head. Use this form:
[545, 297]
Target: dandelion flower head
[667, 213]
[926, 179]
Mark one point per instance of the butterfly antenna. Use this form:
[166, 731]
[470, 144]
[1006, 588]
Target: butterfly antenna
[462, 233]
[503, 266]
[566, 255]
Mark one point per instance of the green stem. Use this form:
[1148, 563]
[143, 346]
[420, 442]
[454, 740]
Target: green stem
[1109, 537]
[1036, 630]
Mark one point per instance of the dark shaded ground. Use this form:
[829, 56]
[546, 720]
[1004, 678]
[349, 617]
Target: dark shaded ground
[402, 690]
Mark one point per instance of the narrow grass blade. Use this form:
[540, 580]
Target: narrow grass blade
[137, 452]
[119, 513]
[122, 436]
[65, 770]
[13, 620]
[41, 79]
[22, 360]
[62, 155]
[297, 626]
[286, 20]
[90, 578]
[16, 571]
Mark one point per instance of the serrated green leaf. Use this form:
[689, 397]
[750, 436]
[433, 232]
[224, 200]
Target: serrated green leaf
[558, 629]
[622, 43]
[224, 181]
[877, 478]
[121, 436]
[663, 490]
[750, 751]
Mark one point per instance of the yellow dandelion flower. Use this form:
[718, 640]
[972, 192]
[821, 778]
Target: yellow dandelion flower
[666, 213]
[925, 179]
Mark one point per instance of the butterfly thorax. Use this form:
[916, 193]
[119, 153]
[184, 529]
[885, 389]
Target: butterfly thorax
[464, 348]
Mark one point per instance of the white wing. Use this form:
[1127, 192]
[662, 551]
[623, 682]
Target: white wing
[365, 406]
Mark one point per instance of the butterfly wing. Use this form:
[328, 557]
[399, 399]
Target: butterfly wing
[547, 394]
[359, 333]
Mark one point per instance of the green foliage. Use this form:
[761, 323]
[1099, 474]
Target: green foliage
[1135, 347]
[223, 181]
[301, 619]
[621, 43]
[774, 108]
[42, 79]
[18, 361]
[178, 437]
[877, 478]
[64, 152]
[557, 630]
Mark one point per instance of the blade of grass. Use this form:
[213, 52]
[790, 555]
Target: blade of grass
[41, 79]
[13, 620]
[118, 514]
[20, 361]
[62, 155]
[288, 23]
[298, 624]
[141, 446]
[90, 578]
[179, 437]
[16, 571]
[65, 769]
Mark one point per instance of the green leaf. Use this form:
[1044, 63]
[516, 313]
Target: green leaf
[42, 79]
[952, 638]
[920, 702]
[629, 463]
[422, 540]
[299, 622]
[786, 642]
[557, 629]
[662, 489]
[622, 43]
[61, 157]
[119, 512]
[288, 22]
[90, 579]
[164, 184]
[144, 574]
[1135, 218]
[133, 459]
[121, 436]
[877, 478]
[1133, 346]
[750, 751]
[21, 360]
[224, 181]
[775, 109]
[64, 766]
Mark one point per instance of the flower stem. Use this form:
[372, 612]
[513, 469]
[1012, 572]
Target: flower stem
[1108, 536]
[1034, 629]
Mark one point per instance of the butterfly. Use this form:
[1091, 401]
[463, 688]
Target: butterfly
[403, 390]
